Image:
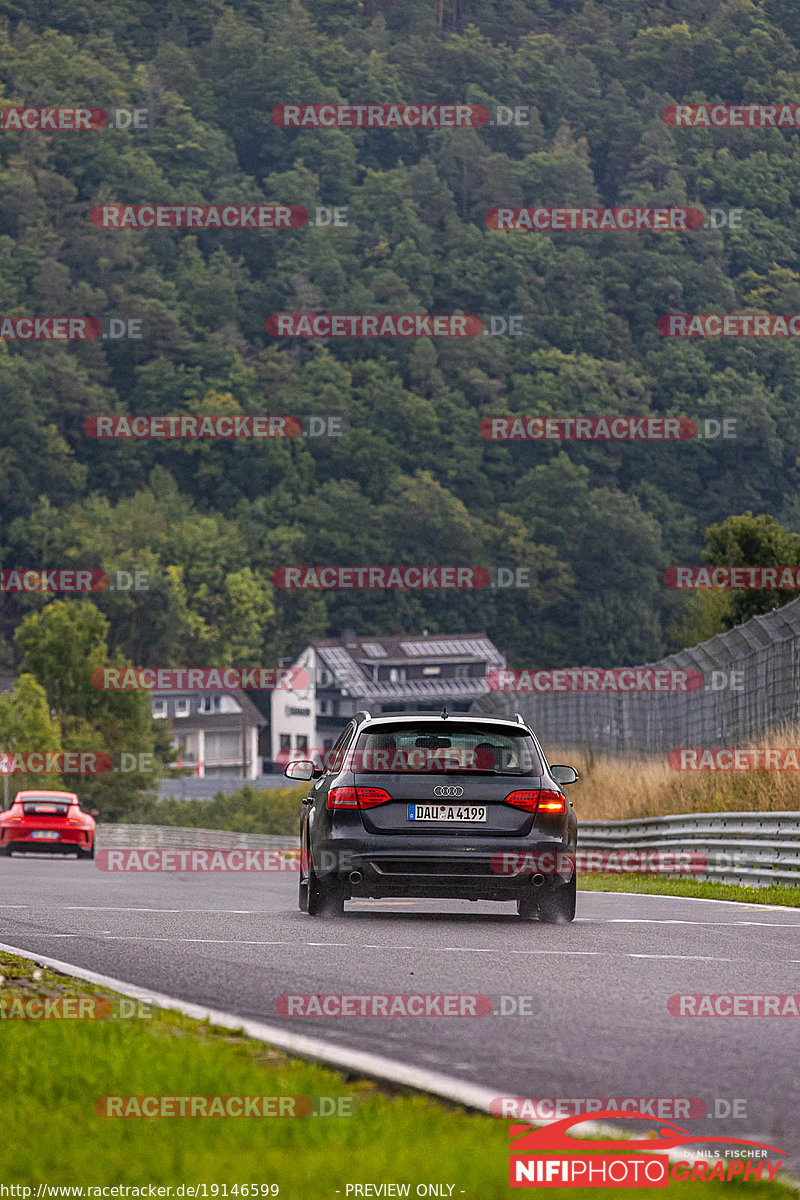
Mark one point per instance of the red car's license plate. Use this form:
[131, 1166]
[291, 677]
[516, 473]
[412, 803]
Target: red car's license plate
[47, 835]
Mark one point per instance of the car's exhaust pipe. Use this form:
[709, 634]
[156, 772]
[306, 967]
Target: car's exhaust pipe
[355, 877]
[537, 880]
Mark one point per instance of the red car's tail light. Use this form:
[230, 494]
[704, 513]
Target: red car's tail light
[11, 815]
[548, 802]
[369, 797]
[342, 797]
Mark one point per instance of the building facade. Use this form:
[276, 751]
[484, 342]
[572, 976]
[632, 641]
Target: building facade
[214, 733]
[398, 674]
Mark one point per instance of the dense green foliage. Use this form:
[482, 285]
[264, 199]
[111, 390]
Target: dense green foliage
[53, 705]
[274, 811]
[410, 480]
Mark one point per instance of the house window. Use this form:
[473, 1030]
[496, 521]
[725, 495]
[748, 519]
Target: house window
[322, 707]
[461, 671]
[159, 708]
[431, 670]
[285, 741]
[209, 704]
[181, 708]
[302, 741]
[221, 747]
[327, 744]
[397, 675]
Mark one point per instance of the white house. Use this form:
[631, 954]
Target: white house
[396, 674]
[216, 733]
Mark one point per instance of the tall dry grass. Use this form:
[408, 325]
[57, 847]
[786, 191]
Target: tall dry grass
[617, 789]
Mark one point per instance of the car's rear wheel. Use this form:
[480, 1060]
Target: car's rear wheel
[528, 905]
[86, 853]
[5, 851]
[325, 899]
[302, 893]
[557, 905]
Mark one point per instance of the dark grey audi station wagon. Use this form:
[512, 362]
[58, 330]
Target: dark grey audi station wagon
[424, 805]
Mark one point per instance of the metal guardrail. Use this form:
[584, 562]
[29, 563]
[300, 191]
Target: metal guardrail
[147, 837]
[749, 849]
[753, 849]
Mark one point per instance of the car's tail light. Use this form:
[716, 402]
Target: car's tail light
[540, 801]
[342, 797]
[362, 797]
[369, 797]
[74, 820]
[12, 816]
[552, 803]
[524, 800]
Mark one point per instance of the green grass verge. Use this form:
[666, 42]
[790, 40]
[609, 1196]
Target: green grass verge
[652, 885]
[51, 1073]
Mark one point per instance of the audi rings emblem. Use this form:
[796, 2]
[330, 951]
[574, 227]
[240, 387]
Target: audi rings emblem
[450, 792]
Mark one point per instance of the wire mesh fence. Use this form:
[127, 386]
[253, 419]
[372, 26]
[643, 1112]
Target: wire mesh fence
[751, 686]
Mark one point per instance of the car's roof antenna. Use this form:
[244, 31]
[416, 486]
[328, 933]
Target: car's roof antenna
[444, 713]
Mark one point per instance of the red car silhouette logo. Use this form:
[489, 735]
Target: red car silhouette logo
[526, 1139]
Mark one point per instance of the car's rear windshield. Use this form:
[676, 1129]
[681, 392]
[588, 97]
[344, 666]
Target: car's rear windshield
[447, 747]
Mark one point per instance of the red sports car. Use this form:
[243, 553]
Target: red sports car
[50, 821]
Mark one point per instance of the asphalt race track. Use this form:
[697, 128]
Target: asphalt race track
[600, 1025]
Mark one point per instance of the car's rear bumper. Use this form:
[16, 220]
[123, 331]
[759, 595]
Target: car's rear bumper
[487, 869]
[68, 840]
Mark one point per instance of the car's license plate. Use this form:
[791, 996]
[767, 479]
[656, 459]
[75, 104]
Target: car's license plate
[46, 835]
[446, 812]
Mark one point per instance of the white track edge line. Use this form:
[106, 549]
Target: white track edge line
[695, 899]
[362, 1062]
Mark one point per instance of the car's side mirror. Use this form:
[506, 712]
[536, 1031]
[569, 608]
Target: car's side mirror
[564, 774]
[302, 769]
[94, 812]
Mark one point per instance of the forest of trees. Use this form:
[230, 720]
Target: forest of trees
[410, 480]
